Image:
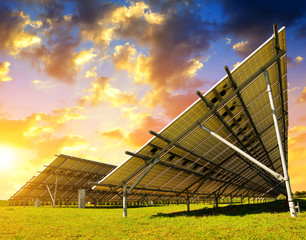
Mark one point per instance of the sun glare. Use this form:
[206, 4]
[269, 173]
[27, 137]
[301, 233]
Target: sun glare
[7, 157]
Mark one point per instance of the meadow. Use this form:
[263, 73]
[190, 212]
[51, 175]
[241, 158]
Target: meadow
[270, 220]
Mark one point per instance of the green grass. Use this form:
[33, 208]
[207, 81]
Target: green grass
[259, 221]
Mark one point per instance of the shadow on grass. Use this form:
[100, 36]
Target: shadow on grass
[237, 210]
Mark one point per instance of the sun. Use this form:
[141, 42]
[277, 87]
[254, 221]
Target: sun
[7, 157]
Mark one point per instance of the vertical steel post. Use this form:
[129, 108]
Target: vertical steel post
[188, 202]
[280, 146]
[55, 190]
[124, 201]
[216, 201]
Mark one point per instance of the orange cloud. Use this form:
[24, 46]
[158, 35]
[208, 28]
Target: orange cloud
[115, 133]
[4, 70]
[13, 35]
[297, 155]
[242, 48]
[236, 64]
[45, 134]
[302, 97]
[91, 73]
[141, 135]
[101, 91]
[124, 57]
[84, 56]
[298, 59]
[36, 127]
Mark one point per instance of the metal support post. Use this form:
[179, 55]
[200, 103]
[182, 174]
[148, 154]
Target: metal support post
[124, 201]
[273, 173]
[280, 145]
[216, 201]
[188, 202]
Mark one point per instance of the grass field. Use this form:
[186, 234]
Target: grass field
[255, 221]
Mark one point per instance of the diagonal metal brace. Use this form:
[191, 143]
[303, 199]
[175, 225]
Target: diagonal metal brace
[143, 175]
[273, 173]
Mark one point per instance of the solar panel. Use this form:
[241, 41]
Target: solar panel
[63, 177]
[183, 159]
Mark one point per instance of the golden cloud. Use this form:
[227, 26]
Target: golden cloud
[302, 97]
[136, 10]
[4, 70]
[38, 132]
[84, 56]
[101, 91]
[13, 35]
[298, 59]
[237, 64]
[115, 133]
[141, 135]
[297, 155]
[91, 73]
[124, 56]
[242, 48]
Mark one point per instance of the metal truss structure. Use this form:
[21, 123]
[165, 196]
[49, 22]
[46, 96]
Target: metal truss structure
[231, 142]
[62, 178]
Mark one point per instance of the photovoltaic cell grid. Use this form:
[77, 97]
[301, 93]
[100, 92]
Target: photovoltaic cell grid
[71, 173]
[192, 160]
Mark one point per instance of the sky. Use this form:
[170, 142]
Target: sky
[91, 78]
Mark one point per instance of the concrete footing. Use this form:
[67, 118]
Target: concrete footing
[81, 198]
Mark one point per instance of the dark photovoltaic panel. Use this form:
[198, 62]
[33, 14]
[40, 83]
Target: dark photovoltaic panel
[71, 173]
[188, 160]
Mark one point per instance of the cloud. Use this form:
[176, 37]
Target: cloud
[293, 89]
[101, 91]
[91, 73]
[242, 48]
[141, 135]
[4, 70]
[302, 119]
[174, 43]
[42, 132]
[84, 56]
[115, 133]
[124, 57]
[297, 155]
[236, 64]
[13, 34]
[302, 97]
[298, 59]
[252, 21]
[228, 41]
[56, 55]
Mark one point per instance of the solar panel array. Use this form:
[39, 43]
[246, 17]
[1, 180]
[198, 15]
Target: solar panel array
[188, 160]
[66, 174]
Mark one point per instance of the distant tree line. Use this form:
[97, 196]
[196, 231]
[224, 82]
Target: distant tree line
[300, 194]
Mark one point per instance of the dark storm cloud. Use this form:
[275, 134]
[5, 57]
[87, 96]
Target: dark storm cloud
[90, 12]
[253, 20]
[165, 6]
[173, 46]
